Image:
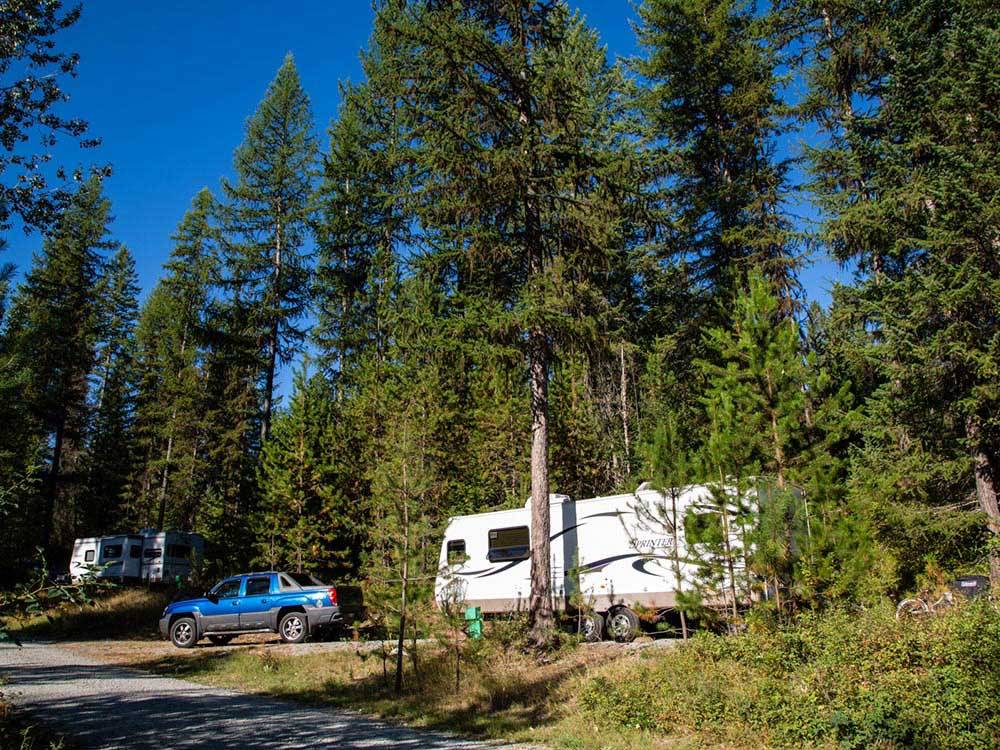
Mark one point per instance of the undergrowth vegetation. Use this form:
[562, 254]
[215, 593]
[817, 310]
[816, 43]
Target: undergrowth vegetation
[120, 613]
[847, 680]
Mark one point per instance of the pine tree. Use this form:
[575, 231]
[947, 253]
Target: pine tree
[411, 496]
[111, 445]
[172, 337]
[362, 226]
[775, 425]
[507, 108]
[304, 522]
[54, 328]
[266, 219]
[909, 201]
[709, 114]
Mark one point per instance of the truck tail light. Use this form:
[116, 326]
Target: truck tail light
[333, 595]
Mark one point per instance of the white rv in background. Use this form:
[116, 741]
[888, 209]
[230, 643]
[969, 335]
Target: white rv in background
[615, 552]
[151, 555]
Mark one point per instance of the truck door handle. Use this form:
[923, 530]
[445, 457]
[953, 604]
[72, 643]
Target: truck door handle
[263, 601]
[236, 602]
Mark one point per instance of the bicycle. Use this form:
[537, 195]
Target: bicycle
[921, 605]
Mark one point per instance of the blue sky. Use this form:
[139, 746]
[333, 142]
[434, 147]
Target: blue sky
[168, 86]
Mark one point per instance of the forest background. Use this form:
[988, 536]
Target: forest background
[506, 240]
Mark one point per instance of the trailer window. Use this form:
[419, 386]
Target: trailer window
[88, 556]
[703, 528]
[152, 553]
[456, 552]
[508, 544]
[178, 551]
[112, 552]
[135, 552]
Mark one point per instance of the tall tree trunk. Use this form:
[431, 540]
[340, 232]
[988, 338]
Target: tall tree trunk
[677, 559]
[540, 603]
[624, 404]
[166, 471]
[272, 339]
[405, 578]
[52, 491]
[540, 614]
[986, 491]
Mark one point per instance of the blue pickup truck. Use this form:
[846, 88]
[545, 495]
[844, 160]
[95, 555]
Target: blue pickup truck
[293, 605]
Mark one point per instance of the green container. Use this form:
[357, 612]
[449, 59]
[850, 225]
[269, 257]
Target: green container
[474, 622]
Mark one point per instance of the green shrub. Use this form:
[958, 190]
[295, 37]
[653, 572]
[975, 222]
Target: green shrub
[845, 680]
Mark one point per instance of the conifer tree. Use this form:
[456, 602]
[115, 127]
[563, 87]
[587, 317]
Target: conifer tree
[410, 491]
[507, 106]
[908, 191]
[54, 328]
[111, 448]
[172, 337]
[709, 114]
[266, 220]
[776, 424]
[304, 522]
[362, 226]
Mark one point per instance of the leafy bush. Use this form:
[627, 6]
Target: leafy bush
[845, 680]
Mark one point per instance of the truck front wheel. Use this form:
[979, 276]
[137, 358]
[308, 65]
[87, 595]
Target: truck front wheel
[183, 633]
[293, 628]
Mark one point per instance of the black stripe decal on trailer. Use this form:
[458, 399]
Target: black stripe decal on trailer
[505, 567]
[640, 565]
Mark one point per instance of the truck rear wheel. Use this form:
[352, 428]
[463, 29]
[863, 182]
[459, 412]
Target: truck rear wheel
[184, 633]
[623, 624]
[293, 628]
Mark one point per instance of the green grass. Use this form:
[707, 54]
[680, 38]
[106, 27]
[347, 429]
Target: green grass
[849, 681]
[842, 680]
[120, 614]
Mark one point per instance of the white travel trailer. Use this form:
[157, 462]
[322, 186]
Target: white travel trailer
[150, 555]
[611, 555]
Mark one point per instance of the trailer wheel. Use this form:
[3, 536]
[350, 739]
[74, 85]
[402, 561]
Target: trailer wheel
[184, 633]
[591, 627]
[623, 624]
[293, 628]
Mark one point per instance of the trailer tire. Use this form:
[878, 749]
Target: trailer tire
[591, 627]
[623, 624]
[294, 627]
[184, 632]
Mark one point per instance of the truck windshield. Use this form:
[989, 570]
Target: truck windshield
[306, 579]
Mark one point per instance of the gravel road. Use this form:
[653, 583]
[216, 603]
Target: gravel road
[103, 706]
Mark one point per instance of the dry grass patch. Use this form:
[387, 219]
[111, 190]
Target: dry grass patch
[122, 613]
[502, 693]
